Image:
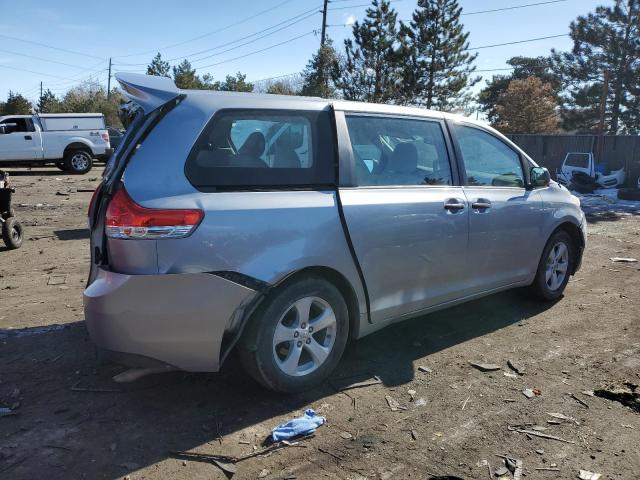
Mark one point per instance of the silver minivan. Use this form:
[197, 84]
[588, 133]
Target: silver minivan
[283, 227]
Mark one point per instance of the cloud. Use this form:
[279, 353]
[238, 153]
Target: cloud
[349, 19]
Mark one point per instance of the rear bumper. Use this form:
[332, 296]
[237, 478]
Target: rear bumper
[178, 320]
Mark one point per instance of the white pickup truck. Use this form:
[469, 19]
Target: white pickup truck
[69, 140]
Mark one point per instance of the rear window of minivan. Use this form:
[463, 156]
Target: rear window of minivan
[262, 149]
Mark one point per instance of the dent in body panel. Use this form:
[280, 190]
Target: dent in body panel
[266, 235]
[177, 319]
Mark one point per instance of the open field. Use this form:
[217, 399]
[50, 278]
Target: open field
[71, 421]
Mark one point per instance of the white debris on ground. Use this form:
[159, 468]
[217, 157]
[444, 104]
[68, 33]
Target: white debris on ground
[606, 201]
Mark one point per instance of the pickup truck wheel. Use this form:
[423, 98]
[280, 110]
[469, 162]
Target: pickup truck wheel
[78, 161]
[555, 267]
[297, 338]
[12, 233]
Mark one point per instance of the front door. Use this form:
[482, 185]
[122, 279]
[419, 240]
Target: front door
[407, 220]
[505, 218]
[20, 140]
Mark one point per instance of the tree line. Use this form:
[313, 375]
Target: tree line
[426, 62]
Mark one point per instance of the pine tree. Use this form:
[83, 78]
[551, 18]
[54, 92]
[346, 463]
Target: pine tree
[319, 74]
[184, 75]
[527, 106]
[281, 87]
[237, 83]
[604, 40]
[369, 71]
[159, 67]
[523, 67]
[16, 104]
[437, 67]
[48, 103]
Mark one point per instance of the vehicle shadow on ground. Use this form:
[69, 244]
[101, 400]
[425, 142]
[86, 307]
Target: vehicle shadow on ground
[74, 420]
[53, 172]
[72, 234]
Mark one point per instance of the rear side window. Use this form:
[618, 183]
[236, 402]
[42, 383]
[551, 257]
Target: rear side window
[398, 151]
[263, 148]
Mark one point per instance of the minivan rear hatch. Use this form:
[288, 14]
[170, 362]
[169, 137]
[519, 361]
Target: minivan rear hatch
[152, 97]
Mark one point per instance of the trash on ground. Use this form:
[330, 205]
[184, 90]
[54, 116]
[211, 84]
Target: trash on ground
[623, 260]
[346, 435]
[627, 394]
[533, 433]
[425, 369]
[6, 412]
[393, 404]
[581, 402]
[346, 384]
[531, 392]
[421, 402]
[485, 367]
[499, 472]
[298, 427]
[519, 369]
[227, 467]
[560, 416]
[263, 473]
[586, 475]
[57, 280]
[510, 375]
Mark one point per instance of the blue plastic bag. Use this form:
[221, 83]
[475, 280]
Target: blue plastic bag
[297, 427]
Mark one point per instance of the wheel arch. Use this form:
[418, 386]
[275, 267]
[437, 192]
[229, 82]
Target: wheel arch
[341, 283]
[578, 241]
[77, 145]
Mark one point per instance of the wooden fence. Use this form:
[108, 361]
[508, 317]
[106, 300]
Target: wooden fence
[617, 150]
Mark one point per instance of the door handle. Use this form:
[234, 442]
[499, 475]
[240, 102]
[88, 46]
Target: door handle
[481, 204]
[453, 204]
[28, 137]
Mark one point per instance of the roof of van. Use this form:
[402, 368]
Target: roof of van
[151, 91]
[69, 115]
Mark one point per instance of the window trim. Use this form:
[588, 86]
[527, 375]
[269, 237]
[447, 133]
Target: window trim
[316, 130]
[460, 159]
[347, 177]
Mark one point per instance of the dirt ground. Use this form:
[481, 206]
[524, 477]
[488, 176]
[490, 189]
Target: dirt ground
[70, 421]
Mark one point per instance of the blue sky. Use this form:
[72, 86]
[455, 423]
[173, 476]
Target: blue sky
[131, 32]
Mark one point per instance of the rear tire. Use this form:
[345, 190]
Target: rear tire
[78, 161]
[12, 233]
[295, 340]
[555, 267]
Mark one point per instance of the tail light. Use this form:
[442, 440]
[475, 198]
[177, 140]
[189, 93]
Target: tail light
[105, 136]
[126, 219]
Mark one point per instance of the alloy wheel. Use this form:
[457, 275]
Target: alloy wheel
[557, 266]
[304, 336]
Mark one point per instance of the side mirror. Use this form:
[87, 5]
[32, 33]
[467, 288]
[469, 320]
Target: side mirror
[539, 177]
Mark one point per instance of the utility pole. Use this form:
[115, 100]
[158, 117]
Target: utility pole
[324, 23]
[603, 108]
[109, 81]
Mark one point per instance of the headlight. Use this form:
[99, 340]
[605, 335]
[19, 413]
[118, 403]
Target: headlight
[575, 200]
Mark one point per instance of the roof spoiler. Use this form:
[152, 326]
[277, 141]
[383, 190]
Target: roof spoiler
[148, 91]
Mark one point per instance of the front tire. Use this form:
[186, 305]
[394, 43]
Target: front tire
[555, 267]
[12, 233]
[78, 162]
[297, 338]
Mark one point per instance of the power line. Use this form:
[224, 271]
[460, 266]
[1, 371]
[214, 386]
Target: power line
[513, 7]
[222, 29]
[31, 71]
[519, 41]
[51, 47]
[259, 51]
[41, 59]
[297, 19]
